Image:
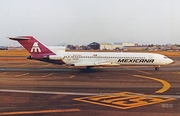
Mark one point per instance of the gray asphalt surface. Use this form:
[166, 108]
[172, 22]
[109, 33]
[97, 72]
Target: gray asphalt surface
[35, 88]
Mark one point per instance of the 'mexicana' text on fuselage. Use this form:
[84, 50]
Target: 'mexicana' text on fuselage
[136, 60]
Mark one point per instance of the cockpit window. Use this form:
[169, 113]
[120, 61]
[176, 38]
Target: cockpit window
[165, 57]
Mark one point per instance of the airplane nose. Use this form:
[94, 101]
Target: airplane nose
[170, 61]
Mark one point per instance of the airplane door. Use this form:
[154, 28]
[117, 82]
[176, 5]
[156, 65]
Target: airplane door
[68, 57]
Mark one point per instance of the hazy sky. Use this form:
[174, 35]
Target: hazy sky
[84, 21]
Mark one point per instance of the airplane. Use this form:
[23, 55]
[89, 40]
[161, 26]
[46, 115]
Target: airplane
[58, 55]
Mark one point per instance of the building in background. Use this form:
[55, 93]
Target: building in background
[106, 46]
[115, 46]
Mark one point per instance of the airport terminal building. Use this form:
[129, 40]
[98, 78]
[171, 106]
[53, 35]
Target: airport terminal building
[115, 46]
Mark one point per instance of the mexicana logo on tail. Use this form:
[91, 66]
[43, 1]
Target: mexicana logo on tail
[35, 47]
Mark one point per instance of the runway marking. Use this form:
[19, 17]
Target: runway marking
[124, 100]
[23, 64]
[47, 75]
[142, 71]
[3, 73]
[72, 76]
[40, 111]
[137, 70]
[165, 87]
[47, 92]
[22, 75]
[48, 65]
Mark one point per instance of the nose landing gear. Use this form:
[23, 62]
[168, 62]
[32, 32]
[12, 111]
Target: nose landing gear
[157, 68]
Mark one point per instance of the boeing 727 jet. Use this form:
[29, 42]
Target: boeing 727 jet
[58, 55]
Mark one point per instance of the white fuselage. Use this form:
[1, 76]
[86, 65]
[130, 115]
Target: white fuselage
[57, 55]
[113, 58]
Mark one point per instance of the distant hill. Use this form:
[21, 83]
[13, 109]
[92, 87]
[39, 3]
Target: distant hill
[3, 48]
[63, 44]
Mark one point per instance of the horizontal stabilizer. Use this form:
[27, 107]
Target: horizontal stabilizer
[19, 38]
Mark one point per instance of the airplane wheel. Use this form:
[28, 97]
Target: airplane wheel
[88, 67]
[157, 68]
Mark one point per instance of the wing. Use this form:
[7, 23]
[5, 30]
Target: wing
[97, 63]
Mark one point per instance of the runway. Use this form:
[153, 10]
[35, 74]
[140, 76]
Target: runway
[29, 87]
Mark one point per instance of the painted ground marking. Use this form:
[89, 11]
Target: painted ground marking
[39, 112]
[1, 74]
[72, 76]
[124, 100]
[21, 75]
[165, 87]
[137, 70]
[47, 75]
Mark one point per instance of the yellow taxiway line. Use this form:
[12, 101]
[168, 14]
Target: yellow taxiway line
[1, 74]
[47, 75]
[38, 112]
[137, 70]
[72, 76]
[22, 75]
[165, 87]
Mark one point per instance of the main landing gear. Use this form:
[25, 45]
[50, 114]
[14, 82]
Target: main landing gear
[157, 68]
[88, 67]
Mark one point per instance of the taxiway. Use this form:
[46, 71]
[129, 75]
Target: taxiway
[29, 87]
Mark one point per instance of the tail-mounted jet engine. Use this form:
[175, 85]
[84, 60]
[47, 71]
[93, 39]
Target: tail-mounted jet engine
[56, 57]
